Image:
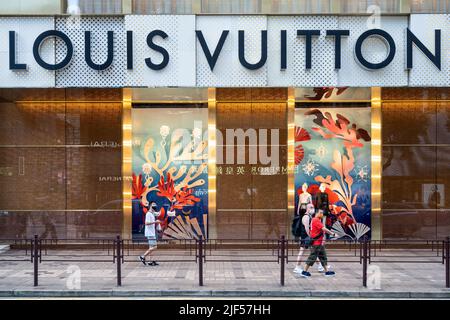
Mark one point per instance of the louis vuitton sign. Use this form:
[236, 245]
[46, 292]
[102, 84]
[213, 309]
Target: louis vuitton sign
[203, 51]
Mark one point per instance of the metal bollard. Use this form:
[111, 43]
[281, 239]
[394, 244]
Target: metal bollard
[447, 262]
[118, 261]
[443, 251]
[200, 261]
[283, 259]
[364, 261]
[36, 260]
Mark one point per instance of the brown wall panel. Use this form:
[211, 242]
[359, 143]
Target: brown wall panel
[93, 224]
[61, 163]
[60, 224]
[233, 225]
[241, 192]
[409, 122]
[32, 179]
[416, 157]
[94, 178]
[90, 94]
[443, 122]
[408, 93]
[94, 124]
[37, 123]
[38, 94]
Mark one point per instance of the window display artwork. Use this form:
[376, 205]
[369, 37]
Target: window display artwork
[333, 150]
[170, 158]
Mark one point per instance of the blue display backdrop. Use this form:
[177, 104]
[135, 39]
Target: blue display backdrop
[332, 147]
[170, 168]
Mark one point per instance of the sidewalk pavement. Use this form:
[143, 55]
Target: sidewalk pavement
[221, 279]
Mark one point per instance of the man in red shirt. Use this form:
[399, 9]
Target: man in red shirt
[317, 248]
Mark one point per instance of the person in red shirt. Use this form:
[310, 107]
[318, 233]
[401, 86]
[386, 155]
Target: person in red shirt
[318, 249]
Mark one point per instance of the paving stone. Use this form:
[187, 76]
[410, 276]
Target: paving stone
[221, 278]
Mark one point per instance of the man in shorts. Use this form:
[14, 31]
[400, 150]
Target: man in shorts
[318, 248]
[150, 233]
[305, 233]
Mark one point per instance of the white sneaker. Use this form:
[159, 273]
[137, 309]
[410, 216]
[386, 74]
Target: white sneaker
[298, 270]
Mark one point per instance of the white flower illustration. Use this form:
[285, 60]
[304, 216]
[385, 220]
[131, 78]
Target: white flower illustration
[310, 167]
[146, 168]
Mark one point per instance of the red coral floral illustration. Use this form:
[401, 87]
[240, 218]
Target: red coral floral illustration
[179, 199]
[300, 135]
[339, 128]
[325, 92]
[137, 188]
[342, 187]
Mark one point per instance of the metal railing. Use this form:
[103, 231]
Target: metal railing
[203, 251]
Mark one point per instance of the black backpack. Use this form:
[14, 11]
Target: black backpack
[297, 226]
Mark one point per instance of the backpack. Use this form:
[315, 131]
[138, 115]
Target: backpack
[297, 226]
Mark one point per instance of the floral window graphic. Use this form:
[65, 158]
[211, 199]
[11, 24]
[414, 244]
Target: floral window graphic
[332, 147]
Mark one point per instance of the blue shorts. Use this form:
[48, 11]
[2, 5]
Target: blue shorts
[152, 241]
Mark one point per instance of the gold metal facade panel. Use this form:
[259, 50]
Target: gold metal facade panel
[126, 164]
[290, 157]
[376, 163]
[251, 205]
[212, 174]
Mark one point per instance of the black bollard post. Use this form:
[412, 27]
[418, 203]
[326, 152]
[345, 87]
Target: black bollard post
[365, 262]
[447, 262]
[36, 260]
[119, 261]
[283, 259]
[200, 261]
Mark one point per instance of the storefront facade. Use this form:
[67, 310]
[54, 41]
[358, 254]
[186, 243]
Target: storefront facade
[221, 120]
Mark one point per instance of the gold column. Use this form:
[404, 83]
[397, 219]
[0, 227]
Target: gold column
[212, 192]
[290, 158]
[376, 163]
[126, 163]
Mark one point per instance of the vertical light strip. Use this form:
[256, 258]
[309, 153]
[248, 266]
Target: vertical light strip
[290, 158]
[212, 226]
[126, 163]
[376, 163]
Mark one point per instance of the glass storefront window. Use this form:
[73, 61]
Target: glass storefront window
[169, 168]
[154, 95]
[415, 157]
[225, 6]
[93, 7]
[60, 162]
[31, 7]
[430, 6]
[164, 7]
[271, 6]
[251, 192]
